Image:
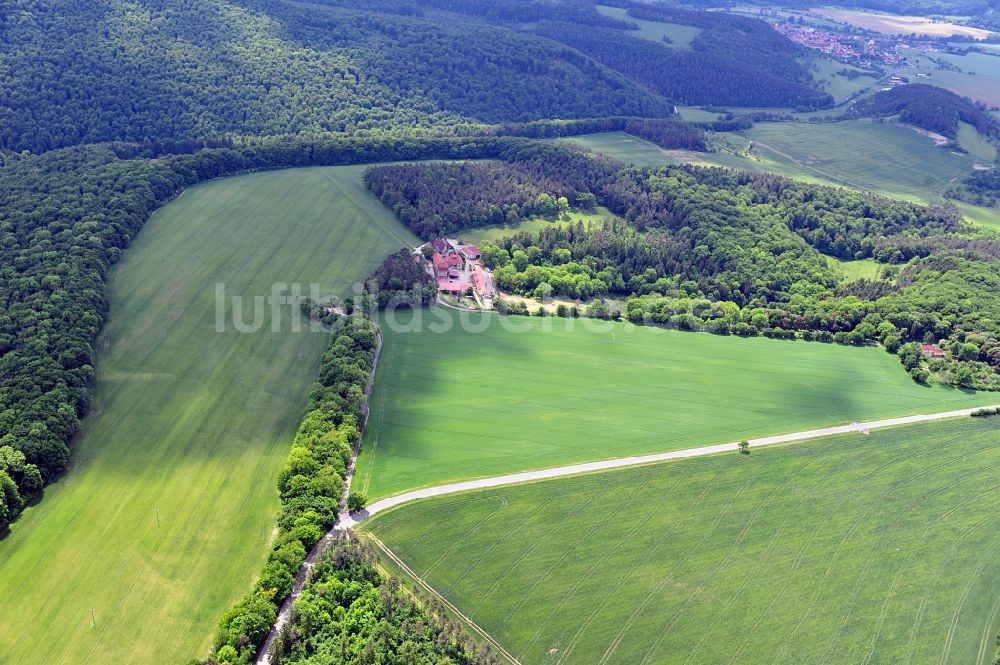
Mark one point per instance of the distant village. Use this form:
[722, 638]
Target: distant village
[459, 270]
[863, 50]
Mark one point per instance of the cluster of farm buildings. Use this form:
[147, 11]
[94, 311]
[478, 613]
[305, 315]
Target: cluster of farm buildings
[458, 270]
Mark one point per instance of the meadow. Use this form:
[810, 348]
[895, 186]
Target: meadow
[975, 75]
[534, 225]
[879, 548]
[904, 164]
[456, 401]
[165, 517]
[827, 72]
[980, 215]
[680, 36]
[860, 269]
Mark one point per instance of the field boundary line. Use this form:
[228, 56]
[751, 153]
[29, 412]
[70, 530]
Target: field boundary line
[419, 580]
[637, 460]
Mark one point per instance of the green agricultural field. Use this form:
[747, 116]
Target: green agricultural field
[904, 164]
[978, 145]
[979, 215]
[895, 24]
[165, 516]
[535, 224]
[527, 393]
[885, 157]
[827, 72]
[680, 36]
[974, 75]
[696, 114]
[882, 548]
[632, 150]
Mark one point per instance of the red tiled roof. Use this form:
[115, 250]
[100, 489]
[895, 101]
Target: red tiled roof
[931, 350]
[440, 265]
[479, 279]
[454, 260]
[454, 287]
[470, 251]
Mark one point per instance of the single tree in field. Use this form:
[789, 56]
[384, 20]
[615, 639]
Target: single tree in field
[356, 502]
[744, 447]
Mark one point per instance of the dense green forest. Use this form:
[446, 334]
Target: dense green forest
[175, 69]
[436, 200]
[207, 70]
[734, 60]
[929, 107]
[739, 253]
[400, 280]
[980, 188]
[352, 613]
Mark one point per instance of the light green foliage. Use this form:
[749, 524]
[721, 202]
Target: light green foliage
[456, 405]
[189, 427]
[876, 548]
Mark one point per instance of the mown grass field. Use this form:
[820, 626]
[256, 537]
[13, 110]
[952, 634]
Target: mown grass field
[165, 516]
[882, 548]
[503, 395]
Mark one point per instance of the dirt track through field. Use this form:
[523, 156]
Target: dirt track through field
[621, 462]
[349, 521]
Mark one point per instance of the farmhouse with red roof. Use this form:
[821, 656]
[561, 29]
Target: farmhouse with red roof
[440, 265]
[932, 350]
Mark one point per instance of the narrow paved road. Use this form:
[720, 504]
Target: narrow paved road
[590, 467]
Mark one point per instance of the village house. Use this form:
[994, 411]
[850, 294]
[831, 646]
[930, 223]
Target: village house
[440, 265]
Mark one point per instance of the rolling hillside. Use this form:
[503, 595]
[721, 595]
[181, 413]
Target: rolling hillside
[207, 68]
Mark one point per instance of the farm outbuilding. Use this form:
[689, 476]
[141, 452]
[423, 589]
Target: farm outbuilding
[932, 350]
